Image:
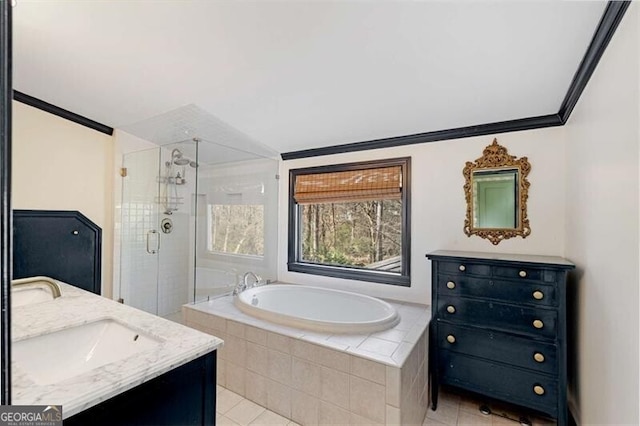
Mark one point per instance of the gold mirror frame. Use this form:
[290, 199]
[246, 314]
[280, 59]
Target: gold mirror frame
[495, 156]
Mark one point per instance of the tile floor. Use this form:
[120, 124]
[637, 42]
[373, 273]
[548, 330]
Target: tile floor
[234, 410]
[458, 409]
[453, 410]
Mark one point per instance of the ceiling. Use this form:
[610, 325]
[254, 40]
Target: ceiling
[298, 75]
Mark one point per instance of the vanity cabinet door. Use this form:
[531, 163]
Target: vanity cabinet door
[182, 396]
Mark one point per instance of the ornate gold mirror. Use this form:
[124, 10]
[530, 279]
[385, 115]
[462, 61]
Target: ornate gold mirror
[496, 189]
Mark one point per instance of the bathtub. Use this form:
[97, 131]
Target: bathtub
[317, 309]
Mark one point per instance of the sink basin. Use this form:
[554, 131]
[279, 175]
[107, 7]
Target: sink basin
[61, 355]
[30, 295]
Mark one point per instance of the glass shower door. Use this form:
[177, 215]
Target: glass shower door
[140, 239]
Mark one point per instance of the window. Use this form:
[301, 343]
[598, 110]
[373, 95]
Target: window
[236, 229]
[351, 221]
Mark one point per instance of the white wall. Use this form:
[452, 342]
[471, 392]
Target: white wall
[602, 139]
[62, 165]
[438, 205]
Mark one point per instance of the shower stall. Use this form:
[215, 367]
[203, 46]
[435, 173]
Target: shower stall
[155, 227]
[194, 217]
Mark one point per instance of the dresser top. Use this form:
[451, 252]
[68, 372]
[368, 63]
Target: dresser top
[525, 258]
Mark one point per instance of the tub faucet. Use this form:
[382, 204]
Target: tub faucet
[244, 284]
[256, 280]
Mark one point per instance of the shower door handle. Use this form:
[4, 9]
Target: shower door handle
[149, 250]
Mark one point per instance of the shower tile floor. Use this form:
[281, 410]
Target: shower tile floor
[453, 410]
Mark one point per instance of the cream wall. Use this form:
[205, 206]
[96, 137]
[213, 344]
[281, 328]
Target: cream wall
[602, 138]
[438, 205]
[61, 165]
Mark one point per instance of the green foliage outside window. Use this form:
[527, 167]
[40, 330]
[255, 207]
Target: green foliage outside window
[236, 229]
[357, 234]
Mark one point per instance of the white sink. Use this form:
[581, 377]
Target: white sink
[30, 295]
[61, 355]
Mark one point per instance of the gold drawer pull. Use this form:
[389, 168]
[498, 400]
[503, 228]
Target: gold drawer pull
[462, 268]
[538, 357]
[539, 390]
[538, 323]
[538, 295]
[451, 309]
[451, 285]
[523, 274]
[451, 338]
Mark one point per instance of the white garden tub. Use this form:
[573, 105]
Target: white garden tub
[318, 309]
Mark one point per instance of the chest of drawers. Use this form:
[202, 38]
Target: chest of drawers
[498, 328]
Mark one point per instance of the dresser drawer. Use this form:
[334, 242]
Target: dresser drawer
[527, 388]
[464, 268]
[502, 347]
[511, 291]
[525, 273]
[533, 321]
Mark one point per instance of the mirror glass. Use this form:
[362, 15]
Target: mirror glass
[496, 190]
[495, 195]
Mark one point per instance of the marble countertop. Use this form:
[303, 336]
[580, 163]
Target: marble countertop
[179, 345]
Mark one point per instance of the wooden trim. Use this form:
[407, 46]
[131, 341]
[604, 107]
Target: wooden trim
[5, 204]
[440, 135]
[60, 112]
[612, 16]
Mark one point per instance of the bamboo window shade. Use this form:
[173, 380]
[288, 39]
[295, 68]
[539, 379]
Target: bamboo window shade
[382, 183]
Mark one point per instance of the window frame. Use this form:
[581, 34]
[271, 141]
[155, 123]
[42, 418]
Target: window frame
[294, 264]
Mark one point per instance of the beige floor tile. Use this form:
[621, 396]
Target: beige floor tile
[431, 422]
[502, 421]
[471, 405]
[226, 400]
[244, 412]
[269, 418]
[449, 398]
[292, 424]
[225, 421]
[538, 421]
[469, 419]
[446, 413]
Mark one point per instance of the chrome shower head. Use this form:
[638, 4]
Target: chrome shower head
[193, 164]
[178, 158]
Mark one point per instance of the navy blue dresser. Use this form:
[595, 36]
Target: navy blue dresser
[498, 328]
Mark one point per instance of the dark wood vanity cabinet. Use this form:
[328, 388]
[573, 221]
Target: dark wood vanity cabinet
[184, 396]
[498, 328]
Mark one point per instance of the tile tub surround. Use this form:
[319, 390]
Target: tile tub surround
[314, 378]
[76, 307]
